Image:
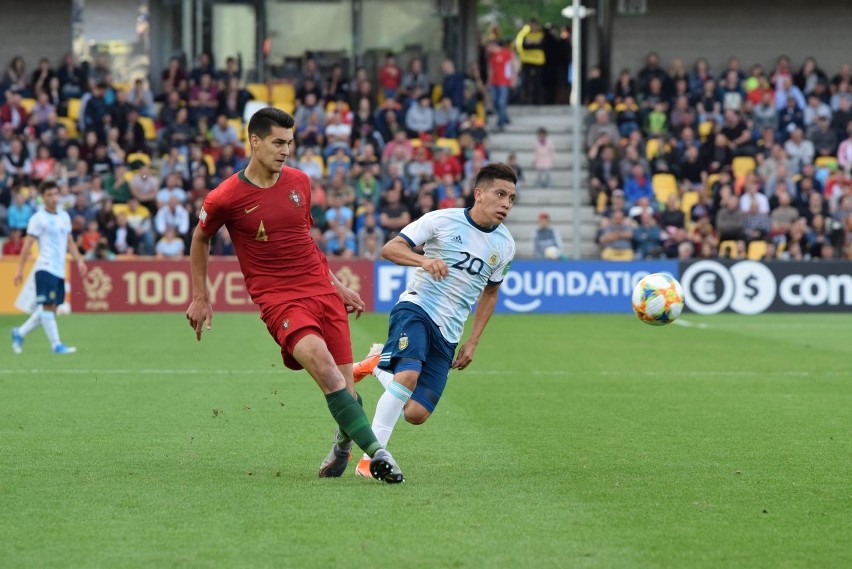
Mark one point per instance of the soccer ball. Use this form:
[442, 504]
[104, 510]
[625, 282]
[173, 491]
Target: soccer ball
[552, 252]
[657, 299]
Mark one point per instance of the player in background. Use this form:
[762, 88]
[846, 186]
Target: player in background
[266, 208]
[467, 254]
[51, 228]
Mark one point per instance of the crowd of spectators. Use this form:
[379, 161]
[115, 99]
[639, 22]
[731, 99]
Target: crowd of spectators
[134, 165]
[732, 162]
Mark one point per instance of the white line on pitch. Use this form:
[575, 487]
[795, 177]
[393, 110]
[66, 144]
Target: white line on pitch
[502, 372]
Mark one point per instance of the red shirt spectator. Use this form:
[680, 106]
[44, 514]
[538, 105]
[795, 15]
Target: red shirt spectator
[445, 164]
[500, 67]
[390, 76]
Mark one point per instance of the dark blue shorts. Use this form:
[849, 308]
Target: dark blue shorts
[412, 334]
[50, 289]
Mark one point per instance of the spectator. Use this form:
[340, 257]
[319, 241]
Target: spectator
[730, 220]
[172, 216]
[390, 76]
[823, 137]
[647, 237]
[602, 126]
[638, 185]
[393, 213]
[501, 78]
[14, 244]
[545, 236]
[172, 189]
[544, 157]
[615, 237]
[415, 82]
[799, 150]
[420, 118]
[170, 245]
[19, 212]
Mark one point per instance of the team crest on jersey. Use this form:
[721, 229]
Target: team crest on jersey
[286, 323]
[403, 342]
[492, 258]
[296, 198]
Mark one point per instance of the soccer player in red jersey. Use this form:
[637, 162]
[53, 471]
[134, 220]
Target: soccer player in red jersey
[266, 208]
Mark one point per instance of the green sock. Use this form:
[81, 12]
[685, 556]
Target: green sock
[343, 439]
[352, 420]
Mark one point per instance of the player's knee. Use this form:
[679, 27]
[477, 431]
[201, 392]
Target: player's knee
[416, 415]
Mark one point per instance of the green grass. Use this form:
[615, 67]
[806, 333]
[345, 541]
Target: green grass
[572, 441]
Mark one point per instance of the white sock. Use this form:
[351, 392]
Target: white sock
[48, 322]
[384, 377]
[32, 322]
[389, 410]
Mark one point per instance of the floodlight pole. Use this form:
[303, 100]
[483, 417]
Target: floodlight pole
[576, 13]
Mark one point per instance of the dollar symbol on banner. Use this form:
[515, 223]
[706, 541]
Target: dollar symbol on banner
[752, 289]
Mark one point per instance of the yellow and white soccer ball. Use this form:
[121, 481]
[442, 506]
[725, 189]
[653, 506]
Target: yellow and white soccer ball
[657, 299]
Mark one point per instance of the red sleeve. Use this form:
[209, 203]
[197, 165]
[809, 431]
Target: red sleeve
[213, 213]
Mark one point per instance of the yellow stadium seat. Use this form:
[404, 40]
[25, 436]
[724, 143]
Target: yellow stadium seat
[825, 162]
[687, 201]
[652, 148]
[415, 142]
[480, 111]
[711, 179]
[728, 249]
[139, 157]
[436, 94]
[601, 202]
[71, 125]
[705, 129]
[149, 128]
[450, 144]
[756, 250]
[283, 96]
[28, 104]
[74, 109]
[238, 126]
[123, 86]
[664, 185]
[610, 254]
[211, 164]
[260, 91]
[742, 165]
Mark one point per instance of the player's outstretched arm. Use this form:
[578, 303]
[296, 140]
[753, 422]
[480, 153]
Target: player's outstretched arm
[398, 251]
[481, 316]
[200, 311]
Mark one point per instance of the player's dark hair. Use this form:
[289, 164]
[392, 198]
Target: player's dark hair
[262, 121]
[47, 185]
[495, 171]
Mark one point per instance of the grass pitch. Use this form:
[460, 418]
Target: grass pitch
[572, 441]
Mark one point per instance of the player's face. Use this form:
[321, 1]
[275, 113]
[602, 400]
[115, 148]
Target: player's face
[494, 201]
[50, 199]
[274, 149]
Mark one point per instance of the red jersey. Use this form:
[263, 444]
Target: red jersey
[389, 77]
[270, 228]
[500, 68]
[450, 165]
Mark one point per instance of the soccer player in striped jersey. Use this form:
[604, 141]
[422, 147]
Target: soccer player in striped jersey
[467, 252]
[50, 227]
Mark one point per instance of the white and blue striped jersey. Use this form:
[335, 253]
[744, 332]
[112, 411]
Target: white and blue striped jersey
[52, 231]
[475, 255]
